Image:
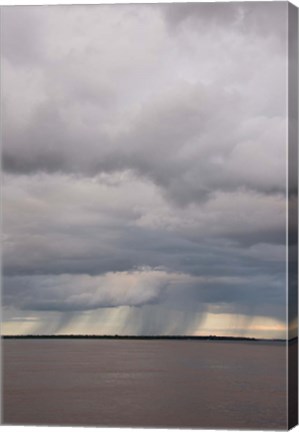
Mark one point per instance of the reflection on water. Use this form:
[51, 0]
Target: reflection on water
[207, 384]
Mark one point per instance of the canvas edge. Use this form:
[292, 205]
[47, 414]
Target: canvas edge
[292, 240]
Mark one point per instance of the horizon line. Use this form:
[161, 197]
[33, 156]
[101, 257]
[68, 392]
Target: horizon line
[116, 336]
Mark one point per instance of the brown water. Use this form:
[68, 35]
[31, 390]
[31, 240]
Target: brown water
[186, 384]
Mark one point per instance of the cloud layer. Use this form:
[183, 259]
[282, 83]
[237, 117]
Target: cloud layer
[144, 152]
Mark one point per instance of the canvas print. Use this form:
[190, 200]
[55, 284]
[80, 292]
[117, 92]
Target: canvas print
[149, 207]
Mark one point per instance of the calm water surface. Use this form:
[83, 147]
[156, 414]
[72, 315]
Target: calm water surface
[191, 384]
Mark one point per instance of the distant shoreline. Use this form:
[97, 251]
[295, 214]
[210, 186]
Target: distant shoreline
[132, 337]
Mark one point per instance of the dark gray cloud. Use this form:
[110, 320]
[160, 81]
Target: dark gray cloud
[243, 17]
[144, 160]
[74, 232]
[184, 142]
[188, 136]
[19, 44]
[77, 225]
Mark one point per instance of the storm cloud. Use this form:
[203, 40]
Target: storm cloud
[144, 159]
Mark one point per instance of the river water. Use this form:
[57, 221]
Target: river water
[150, 383]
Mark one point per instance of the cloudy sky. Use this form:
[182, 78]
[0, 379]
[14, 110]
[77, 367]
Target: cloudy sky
[144, 159]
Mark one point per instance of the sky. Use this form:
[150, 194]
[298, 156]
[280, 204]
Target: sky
[144, 169]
